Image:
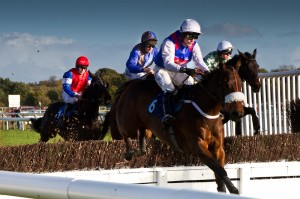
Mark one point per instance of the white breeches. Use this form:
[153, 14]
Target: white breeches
[166, 79]
[68, 99]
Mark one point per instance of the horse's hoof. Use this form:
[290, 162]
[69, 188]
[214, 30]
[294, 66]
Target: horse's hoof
[222, 189]
[234, 190]
[139, 153]
[129, 156]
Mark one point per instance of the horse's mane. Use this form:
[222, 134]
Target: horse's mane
[122, 88]
[208, 76]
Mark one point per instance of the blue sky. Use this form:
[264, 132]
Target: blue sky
[43, 38]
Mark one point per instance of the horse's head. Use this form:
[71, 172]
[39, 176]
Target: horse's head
[96, 93]
[100, 90]
[225, 85]
[248, 69]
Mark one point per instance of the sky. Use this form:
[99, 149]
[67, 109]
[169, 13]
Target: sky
[40, 39]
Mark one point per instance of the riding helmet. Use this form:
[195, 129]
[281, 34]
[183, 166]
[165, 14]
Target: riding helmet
[224, 46]
[190, 25]
[82, 61]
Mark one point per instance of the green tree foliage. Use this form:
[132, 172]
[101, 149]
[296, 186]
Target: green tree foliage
[284, 68]
[49, 91]
[114, 79]
[262, 70]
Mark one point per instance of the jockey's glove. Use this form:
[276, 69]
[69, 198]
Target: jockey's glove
[77, 96]
[188, 71]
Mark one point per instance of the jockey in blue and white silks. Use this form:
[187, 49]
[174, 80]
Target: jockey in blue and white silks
[141, 57]
[76, 80]
[175, 53]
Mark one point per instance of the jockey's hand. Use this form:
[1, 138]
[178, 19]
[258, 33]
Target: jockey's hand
[77, 96]
[188, 71]
[149, 70]
[201, 72]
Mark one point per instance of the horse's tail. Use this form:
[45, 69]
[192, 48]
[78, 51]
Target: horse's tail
[36, 124]
[105, 126]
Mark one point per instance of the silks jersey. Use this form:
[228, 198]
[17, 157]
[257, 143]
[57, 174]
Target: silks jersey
[183, 54]
[74, 82]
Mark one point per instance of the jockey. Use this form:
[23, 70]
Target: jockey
[222, 53]
[141, 57]
[176, 51]
[75, 81]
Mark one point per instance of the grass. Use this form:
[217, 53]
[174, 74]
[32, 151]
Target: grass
[19, 137]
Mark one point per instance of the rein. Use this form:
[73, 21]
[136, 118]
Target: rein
[232, 97]
[200, 110]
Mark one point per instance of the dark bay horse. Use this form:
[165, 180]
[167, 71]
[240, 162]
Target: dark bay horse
[247, 67]
[84, 125]
[198, 128]
[248, 72]
[293, 115]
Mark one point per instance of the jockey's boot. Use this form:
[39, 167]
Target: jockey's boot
[168, 118]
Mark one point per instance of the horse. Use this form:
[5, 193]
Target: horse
[83, 124]
[248, 71]
[198, 128]
[293, 115]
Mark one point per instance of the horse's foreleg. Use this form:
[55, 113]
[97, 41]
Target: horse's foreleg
[238, 128]
[220, 156]
[225, 117]
[255, 119]
[214, 165]
[129, 152]
[142, 144]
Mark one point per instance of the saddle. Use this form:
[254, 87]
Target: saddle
[66, 111]
[156, 105]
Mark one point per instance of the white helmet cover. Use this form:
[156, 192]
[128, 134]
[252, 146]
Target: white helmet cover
[190, 25]
[224, 45]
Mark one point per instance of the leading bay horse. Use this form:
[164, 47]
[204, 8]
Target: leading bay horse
[247, 67]
[198, 128]
[81, 125]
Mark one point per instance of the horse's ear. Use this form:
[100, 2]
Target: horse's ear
[238, 63]
[242, 54]
[254, 53]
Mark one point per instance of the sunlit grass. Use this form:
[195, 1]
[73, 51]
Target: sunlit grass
[19, 137]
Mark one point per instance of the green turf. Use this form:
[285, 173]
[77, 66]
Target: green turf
[19, 137]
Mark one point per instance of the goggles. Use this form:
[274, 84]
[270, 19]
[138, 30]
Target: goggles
[81, 67]
[192, 36]
[227, 52]
[149, 46]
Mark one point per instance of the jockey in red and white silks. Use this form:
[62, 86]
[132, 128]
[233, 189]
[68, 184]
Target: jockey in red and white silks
[175, 53]
[75, 81]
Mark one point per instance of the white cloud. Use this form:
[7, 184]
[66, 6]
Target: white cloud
[30, 58]
[232, 30]
[295, 57]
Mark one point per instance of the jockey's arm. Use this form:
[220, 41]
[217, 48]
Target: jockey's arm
[168, 55]
[67, 81]
[132, 62]
[198, 59]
